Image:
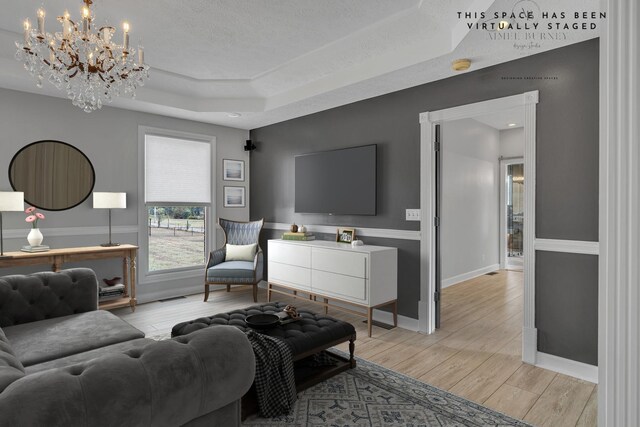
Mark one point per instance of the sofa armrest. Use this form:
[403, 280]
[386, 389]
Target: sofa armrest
[216, 257]
[166, 383]
[39, 296]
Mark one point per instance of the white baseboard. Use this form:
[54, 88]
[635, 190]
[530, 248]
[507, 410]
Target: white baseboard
[564, 366]
[144, 297]
[470, 275]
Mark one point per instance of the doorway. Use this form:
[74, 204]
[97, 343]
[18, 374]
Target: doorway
[430, 301]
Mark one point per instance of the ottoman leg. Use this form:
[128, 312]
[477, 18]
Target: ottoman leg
[352, 349]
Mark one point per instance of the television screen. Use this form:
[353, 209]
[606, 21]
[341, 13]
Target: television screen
[341, 182]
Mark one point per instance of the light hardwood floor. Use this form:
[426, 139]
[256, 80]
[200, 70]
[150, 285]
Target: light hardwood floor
[476, 354]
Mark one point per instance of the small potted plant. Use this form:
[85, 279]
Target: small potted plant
[35, 236]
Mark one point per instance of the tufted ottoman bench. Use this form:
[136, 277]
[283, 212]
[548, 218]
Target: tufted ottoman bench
[310, 335]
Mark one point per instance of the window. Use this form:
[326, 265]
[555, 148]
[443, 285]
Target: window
[177, 191]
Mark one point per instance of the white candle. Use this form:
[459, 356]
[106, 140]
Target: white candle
[91, 59]
[86, 15]
[41, 15]
[140, 55]
[125, 28]
[27, 28]
[66, 24]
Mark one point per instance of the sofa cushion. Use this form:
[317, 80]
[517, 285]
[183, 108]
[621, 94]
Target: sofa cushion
[231, 270]
[39, 342]
[89, 355]
[10, 367]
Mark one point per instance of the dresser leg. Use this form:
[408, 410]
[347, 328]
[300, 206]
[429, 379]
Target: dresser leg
[369, 320]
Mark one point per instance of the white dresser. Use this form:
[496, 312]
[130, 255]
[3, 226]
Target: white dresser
[364, 276]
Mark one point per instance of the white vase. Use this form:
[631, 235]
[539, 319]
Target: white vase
[35, 237]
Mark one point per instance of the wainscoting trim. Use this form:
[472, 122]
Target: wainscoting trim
[21, 233]
[469, 275]
[564, 366]
[360, 231]
[567, 246]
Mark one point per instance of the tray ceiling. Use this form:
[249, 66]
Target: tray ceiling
[274, 60]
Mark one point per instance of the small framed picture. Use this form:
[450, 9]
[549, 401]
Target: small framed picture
[233, 170]
[234, 197]
[345, 235]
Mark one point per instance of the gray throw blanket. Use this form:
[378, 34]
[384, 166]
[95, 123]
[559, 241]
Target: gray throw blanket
[275, 382]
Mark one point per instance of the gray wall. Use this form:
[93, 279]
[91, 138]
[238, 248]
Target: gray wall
[109, 138]
[567, 160]
[470, 216]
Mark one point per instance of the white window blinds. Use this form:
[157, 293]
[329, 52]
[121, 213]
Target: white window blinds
[177, 170]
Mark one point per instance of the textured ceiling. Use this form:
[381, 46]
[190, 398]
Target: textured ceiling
[278, 59]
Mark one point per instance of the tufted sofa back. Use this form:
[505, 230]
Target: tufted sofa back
[45, 295]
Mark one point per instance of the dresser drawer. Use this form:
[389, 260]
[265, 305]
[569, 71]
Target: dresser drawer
[289, 275]
[348, 287]
[341, 262]
[291, 254]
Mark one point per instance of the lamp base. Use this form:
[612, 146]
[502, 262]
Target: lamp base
[109, 245]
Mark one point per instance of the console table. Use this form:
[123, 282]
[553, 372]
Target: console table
[364, 276]
[57, 257]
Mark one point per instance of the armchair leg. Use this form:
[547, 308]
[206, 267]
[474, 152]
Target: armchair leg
[255, 292]
[206, 292]
[228, 288]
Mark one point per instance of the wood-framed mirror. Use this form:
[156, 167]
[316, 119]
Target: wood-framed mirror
[53, 175]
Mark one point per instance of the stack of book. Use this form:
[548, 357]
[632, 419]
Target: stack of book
[298, 236]
[108, 293]
[40, 248]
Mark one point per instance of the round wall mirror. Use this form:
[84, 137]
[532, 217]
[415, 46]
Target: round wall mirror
[53, 175]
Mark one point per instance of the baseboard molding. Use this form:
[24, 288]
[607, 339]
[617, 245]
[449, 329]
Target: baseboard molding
[564, 366]
[21, 233]
[470, 275]
[155, 295]
[404, 322]
[360, 231]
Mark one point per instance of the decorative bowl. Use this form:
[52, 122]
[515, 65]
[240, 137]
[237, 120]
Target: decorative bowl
[262, 321]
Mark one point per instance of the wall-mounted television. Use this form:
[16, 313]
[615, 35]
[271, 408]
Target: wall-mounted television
[339, 182]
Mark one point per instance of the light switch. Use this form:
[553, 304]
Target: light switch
[413, 215]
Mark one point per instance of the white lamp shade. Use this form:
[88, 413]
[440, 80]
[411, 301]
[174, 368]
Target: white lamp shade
[11, 201]
[109, 200]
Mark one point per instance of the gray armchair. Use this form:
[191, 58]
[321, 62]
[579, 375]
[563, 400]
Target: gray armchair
[221, 271]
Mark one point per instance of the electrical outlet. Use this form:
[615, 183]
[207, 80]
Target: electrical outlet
[413, 215]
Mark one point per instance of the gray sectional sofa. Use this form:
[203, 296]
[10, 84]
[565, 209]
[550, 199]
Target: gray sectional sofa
[63, 362]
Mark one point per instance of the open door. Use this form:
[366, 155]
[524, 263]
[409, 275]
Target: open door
[436, 221]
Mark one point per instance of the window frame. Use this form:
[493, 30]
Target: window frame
[146, 276]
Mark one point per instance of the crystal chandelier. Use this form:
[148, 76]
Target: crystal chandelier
[89, 65]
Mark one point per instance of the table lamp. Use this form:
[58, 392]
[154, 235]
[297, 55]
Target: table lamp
[10, 201]
[109, 201]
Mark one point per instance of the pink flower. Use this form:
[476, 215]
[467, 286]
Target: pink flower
[31, 218]
[39, 215]
[29, 209]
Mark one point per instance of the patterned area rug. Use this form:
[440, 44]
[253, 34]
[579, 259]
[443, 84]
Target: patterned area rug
[371, 395]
